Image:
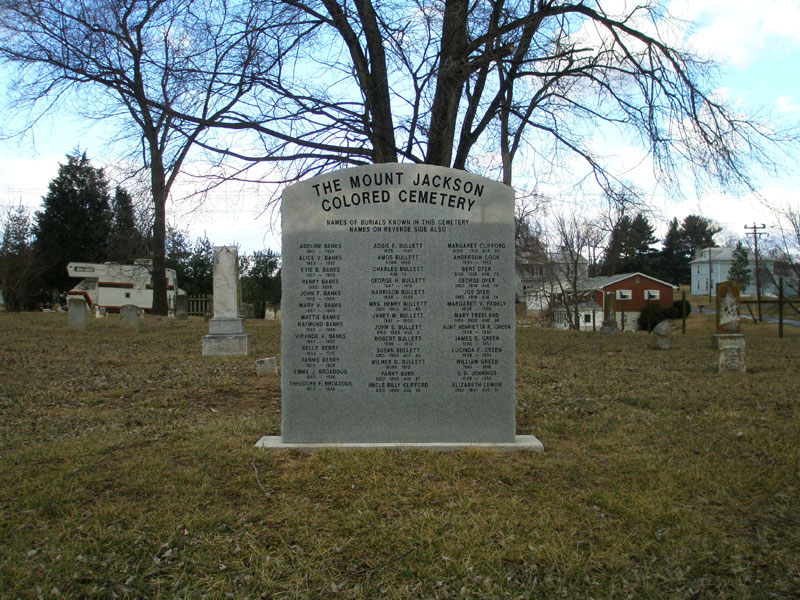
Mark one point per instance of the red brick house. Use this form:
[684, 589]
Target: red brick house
[632, 292]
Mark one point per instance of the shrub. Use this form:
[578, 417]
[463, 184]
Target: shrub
[652, 314]
[678, 305]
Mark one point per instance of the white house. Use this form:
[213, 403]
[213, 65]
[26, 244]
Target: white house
[540, 276]
[711, 265]
[590, 316]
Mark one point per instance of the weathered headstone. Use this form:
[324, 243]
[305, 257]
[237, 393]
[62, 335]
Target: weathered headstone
[728, 317]
[76, 313]
[609, 313]
[226, 334]
[181, 307]
[129, 318]
[662, 332]
[267, 366]
[398, 310]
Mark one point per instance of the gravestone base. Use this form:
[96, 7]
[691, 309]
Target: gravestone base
[528, 443]
[731, 353]
[609, 329]
[717, 337]
[222, 344]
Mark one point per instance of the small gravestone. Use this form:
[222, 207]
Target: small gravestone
[398, 311]
[129, 318]
[100, 312]
[270, 312]
[181, 307]
[226, 334]
[267, 366]
[76, 313]
[662, 333]
[731, 353]
[609, 313]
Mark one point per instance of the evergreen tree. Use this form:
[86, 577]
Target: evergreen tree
[126, 242]
[193, 263]
[641, 238]
[200, 268]
[614, 255]
[697, 232]
[75, 222]
[261, 280]
[178, 253]
[17, 266]
[629, 247]
[671, 260]
[679, 246]
[740, 266]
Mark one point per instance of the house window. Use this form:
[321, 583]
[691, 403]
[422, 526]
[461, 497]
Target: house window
[697, 272]
[536, 270]
[624, 294]
[652, 294]
[587, 318]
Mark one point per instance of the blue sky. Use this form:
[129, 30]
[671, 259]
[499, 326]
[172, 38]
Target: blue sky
[758, 45]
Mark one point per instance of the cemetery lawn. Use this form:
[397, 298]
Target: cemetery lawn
[128, 471]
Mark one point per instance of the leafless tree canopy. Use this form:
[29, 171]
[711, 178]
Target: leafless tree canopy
[136, 64]
[452, 82]
[309, 85]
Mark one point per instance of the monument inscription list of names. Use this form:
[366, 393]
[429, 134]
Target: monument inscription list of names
[398, 307]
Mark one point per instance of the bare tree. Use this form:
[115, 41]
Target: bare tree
[136, 65]
[447, 82]
[786, 241]
[574, 236]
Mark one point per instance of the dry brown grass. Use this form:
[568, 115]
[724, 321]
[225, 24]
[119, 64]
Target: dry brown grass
[128, 470]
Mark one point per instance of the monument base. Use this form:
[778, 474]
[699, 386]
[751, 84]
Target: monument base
[232, 325]
[226, 344]
[528, 443]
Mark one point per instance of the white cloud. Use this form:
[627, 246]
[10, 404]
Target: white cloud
[739, 31]
[787, 105]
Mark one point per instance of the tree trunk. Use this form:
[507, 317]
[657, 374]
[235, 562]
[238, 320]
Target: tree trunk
[505, 134]
[377, 95]
[449, 84]
[158, 182]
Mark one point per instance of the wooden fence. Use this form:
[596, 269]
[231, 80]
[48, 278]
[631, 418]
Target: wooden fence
[200, 306]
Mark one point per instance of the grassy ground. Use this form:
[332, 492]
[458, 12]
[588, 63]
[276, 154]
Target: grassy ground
[128, 471]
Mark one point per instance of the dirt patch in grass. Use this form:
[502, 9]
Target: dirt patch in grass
[128, 470]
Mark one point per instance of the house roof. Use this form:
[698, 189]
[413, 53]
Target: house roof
[598, 283]
[725, 254]
[590, 305]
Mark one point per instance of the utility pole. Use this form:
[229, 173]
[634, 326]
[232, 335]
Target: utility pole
[757, 234]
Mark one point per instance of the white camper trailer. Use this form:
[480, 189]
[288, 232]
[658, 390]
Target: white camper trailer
[110, 286]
